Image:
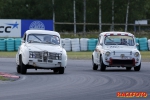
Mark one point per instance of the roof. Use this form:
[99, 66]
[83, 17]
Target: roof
[42, 32]
[114, 32]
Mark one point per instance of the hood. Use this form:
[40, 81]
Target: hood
[44, 47]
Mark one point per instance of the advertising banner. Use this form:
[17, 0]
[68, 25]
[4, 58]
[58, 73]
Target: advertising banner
[36, 25]
[10, 28]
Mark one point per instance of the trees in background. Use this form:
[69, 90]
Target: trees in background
[43, 9]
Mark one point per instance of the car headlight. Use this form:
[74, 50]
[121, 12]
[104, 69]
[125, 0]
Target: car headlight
[33, 54]
[58, 56]
[107, 53]
[136, 54]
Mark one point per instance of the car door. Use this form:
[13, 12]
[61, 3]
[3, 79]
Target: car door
[98, 50]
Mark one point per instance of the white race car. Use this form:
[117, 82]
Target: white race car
[41, 49]
[116, 49]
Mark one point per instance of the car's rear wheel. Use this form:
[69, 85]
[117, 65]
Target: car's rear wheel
[102, 65]
[61, 70]
[56, 70]
[23, 68]
[18, 69]
[137, 68]
[128, 68]
[95, 67]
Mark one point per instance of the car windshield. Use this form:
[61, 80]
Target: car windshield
[43, 38]
[119, 40]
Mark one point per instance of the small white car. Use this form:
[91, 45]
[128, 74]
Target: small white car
[116, 49]
[41, 49]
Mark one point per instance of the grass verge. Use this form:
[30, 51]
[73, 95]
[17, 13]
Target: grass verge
[75, 55]
[3, 78]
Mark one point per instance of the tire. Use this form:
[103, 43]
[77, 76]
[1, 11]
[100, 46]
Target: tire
[137, 68]
[128, 68]
[61, 70]
[23, 69]
[55, 70]
[102, 65]
[95, 67]
[18, 69]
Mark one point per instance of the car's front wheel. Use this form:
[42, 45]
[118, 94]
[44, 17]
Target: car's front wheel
[56, 70]
[18, 69]
[23, 68]
[102, 65]
[61, 70]
[137, 68]
[128, 68]
[95, 67]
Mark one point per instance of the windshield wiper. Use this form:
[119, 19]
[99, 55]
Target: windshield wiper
[36, 37]
[32, 41]
[111, 40]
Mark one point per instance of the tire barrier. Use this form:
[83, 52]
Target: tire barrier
[75, 44]
[84, 44]
[67, 44]
[2, 44]
[10, 44]
[92, 44]
[17, 43]
[143, 44]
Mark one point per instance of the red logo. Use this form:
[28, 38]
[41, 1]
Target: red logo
[131, 94]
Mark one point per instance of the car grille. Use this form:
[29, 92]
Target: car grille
[55, 56]
[47, 56]
[122, 62]
[38, 55]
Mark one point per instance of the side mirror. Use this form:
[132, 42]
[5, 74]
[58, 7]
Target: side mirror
[101, 44]
[22, 41]
[63, 45]
[137, 44]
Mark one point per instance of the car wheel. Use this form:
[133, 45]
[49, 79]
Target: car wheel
[55, 70]
[128, 68]
[61, 70]
[23, 68]
[102, 65]
[18, 69]
[137, 68]
[95, 67]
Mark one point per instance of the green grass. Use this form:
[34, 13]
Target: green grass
[75, 55]
[3, 78]
[5, 54]
[79, 55]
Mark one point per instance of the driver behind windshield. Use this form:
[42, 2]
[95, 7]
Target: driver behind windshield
[51, 39]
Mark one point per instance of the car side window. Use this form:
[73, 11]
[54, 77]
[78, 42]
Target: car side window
[98, 42]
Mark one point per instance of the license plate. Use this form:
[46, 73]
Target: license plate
[125, 57]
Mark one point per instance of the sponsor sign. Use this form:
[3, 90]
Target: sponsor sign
[132, 94]
[143, 22]
[10, 28]
[36, 25]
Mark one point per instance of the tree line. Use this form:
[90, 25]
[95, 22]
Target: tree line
[64, 12]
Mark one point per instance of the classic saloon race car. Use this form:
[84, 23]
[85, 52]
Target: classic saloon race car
[116, 49]
[41, 49]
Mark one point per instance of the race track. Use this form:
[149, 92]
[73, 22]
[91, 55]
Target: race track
[79, 82]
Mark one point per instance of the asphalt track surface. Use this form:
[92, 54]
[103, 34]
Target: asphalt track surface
[79, 82]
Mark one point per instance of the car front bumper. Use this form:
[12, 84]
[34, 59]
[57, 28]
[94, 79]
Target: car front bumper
[48, 64]
[123, 62]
